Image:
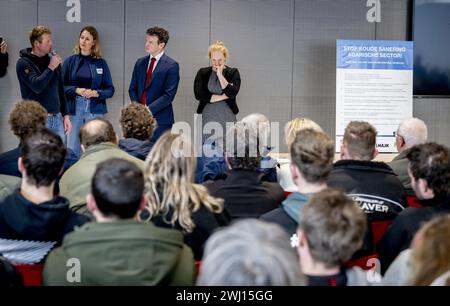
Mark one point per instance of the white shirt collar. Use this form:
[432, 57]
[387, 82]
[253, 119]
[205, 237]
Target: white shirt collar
[158, 56]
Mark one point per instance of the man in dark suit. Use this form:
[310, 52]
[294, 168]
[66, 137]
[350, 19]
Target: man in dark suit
[155, 78]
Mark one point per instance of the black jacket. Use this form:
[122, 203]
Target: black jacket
[135, 147]
[245, 194]
[205, 222]
[372, 185]
[3, 63]
[399, 235]
[46, 87]
[203, 95]
[50, 221]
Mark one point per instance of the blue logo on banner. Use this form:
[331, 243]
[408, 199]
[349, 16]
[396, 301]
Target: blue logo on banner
[374, 54]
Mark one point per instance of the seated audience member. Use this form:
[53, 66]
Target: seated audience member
[215, 167]
[9, 276]
[429, 171]
[372, 185]
[98, 143]
[117, 249]
[3, 58]
[410, 132]
[250, 253]
[291, 129]
[137, 125]
[174, 200]
[246, 195]
[8, 184]
[427, 262]
[32, 212]
[312, 154]
[331, 229]
[24, 119]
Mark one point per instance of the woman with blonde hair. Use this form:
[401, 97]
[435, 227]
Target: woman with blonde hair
[87, 84]
[290, 131]
[174, 200]
[216, 88]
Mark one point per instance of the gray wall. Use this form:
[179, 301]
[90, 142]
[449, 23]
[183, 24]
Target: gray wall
[284, 49]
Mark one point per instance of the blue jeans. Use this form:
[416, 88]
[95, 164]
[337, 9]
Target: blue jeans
[82, 115]
[55, 122]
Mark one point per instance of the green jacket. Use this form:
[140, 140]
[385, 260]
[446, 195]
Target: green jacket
[121, 253]
[75, 184]
[400, 166]
[7, 185]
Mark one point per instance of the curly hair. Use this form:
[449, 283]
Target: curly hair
[137, 122]
[26, 117]
[242, 147]
[162, 34]
[431, 162]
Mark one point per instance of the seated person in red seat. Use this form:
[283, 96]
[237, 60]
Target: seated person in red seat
[33, 212]
[429, 171]
[331, 229]
[312, 154]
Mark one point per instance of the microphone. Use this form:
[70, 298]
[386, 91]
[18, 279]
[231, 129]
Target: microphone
[52, 53]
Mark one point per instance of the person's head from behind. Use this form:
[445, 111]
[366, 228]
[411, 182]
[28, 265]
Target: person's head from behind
[292, 127]
[430, 256]
[97, 131]
[42, 158]
[429, 170]
[137, 122]
[359, 141]
[312, 154]
[156, 40]
[261, 124]
[331, 230]
[88, 42]
[169, 182]
[250, 253]
[26, 117]
[242, 148]
[410, 132]
[41, 40]
[117, 190]
[218, 54]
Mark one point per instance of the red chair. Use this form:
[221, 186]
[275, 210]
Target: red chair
[365, 263]
[287, 193]
[378, 229]
[413, 202]
[31, 274]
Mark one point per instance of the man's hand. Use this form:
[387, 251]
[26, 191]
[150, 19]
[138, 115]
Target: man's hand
[67, 124]
[3, 47]
[55, 61]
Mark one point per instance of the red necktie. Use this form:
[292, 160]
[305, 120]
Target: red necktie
[147, 80]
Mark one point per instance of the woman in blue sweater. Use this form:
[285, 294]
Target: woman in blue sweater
[87, 84]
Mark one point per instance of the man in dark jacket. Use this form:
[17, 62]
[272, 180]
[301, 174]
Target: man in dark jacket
[24, 119]
[373, 185]
[312, 154]
[40, 79]
[137, 125]
[410, 132]
[429, 171]
[246, 195]
[117, 249]
[33, 212]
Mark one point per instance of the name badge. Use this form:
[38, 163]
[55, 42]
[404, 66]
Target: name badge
[99, 70]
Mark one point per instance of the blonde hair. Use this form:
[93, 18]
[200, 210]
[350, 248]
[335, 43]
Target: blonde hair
[430, 256]
[218, 46]
[169, 182]
[96, 50]
[295, 125]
